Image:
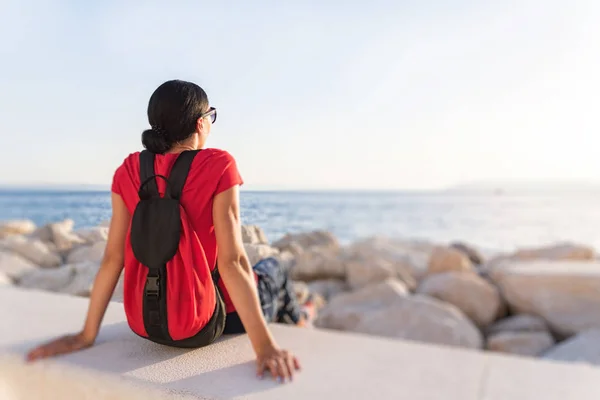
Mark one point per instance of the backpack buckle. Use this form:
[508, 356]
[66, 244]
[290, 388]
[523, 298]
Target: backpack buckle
[152, 286]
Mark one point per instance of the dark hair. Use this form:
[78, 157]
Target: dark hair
[173, 110]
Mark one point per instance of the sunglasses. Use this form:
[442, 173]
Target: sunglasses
[213, 114]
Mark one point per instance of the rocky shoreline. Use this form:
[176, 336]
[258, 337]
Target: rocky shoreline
[536, 302]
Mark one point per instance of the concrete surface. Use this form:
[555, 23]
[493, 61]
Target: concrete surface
[335, 365]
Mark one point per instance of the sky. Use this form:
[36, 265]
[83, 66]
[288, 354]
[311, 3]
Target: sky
[381, 95]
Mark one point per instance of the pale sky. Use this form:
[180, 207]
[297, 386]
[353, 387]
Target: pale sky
[323, 94]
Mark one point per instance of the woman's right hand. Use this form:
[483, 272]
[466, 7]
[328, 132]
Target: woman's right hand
[62, 345]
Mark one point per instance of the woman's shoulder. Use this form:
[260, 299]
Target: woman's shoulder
[217, 154]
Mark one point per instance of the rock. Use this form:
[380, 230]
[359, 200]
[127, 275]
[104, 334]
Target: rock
[118, 293]
[566, 294]
[253, 234]
[16, 227]
[33, 250]
[93, 253]
[375, 259]
[75, 279]
[519, 323]
[521, 343]
[328, 288]
[43, 233]
[318, 263]
[473, 254]
[93, 235]
[83, 281]
[555, 252]
[63, 237]
[477, 298]
[5, 280]
[301, 291]
[581, 348]
[51, 279]
[445, 259]
[257, 252]
[559, 251]
[307, 240]
[345, 310]
[385, 309]
[14, 266]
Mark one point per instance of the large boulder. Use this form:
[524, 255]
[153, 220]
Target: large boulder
[93, 235]
[33, 250]
[83, 279]
[118, 292]
[93, 253]
[386, 309]
[307, 240]
[63, 237]
[518, 323]
[558, 251]
[50, 279]
[14, 266]
[582, 348]
[476, 297]
[554, 252]
[318, 263]
[16, 227]
[257, 252]
[328, 288]
[447, 259]
[5, 280]
[520, 343]
[471, 252]
[375, 259]
[565, 293]
[75, 279]
[253, 234]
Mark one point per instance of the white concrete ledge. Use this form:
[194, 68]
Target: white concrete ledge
[336, 365]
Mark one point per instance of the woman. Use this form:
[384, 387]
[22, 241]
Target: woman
[180, 120]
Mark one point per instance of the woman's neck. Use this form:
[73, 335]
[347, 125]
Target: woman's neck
[181, 148]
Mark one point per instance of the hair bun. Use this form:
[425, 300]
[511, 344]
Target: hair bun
[155, 141]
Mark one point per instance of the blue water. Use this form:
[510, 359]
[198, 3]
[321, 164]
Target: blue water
[488, 221]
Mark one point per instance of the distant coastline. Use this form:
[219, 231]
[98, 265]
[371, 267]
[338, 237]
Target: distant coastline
[485, 188]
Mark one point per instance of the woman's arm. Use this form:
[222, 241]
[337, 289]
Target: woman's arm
[102, 290]
[236, 272]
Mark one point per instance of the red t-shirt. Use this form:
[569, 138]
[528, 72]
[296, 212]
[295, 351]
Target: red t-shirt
[212, 172]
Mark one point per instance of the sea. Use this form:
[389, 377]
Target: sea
[493, 222]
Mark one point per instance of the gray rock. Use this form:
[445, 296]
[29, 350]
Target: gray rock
[386, 309]
[519, 323]
[476, 297]
[581, 348]
[14, 266]
[33, 250]
[520, 343]
[16, 227]
[566, 294]
[474, 255]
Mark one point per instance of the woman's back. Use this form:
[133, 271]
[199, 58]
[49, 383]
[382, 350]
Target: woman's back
[213, 171]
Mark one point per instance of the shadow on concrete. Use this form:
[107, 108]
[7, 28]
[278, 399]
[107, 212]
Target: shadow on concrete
[229, 382]
[120, 351]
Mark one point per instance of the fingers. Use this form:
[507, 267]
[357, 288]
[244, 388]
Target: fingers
[56, 347]
[281, 366]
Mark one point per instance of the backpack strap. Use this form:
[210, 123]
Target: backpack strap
[148, 187]
[180, 172]
[178, 176]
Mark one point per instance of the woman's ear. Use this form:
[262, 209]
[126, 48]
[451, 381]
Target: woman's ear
[200, 125]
